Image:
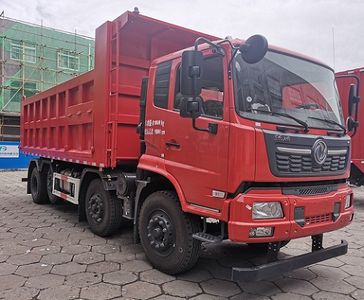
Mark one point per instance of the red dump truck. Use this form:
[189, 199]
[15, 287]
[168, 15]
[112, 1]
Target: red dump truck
[344, 79]
[195, 139]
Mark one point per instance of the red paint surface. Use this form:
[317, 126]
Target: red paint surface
[93, 117]
[343, 84]
[286, 228]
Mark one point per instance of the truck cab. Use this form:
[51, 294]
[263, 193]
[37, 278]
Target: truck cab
[267, 153]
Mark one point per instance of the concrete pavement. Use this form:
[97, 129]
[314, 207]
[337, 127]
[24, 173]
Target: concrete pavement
[45, 253]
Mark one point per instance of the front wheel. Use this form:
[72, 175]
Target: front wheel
[103, 210]
[166, 233]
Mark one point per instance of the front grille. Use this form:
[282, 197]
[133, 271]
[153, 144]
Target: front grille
[318, 219]
[314, 190]
[307, 190]
[290, 155]
[297, 163]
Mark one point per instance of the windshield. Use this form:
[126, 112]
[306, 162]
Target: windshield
[282, 84]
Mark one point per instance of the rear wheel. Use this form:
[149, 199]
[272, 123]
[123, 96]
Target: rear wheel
[166, 233]
[103, 210]
[52, 198]
[38, 187]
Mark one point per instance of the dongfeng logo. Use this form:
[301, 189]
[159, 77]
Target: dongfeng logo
[319, 152]
[3, 148]
[282, 138]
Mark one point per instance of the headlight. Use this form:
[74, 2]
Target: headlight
[348, 201]
[267, 210]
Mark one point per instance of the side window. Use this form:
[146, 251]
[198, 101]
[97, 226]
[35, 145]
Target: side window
[161, 85]
[212, 94]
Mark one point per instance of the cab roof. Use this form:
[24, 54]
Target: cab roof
[237, 42]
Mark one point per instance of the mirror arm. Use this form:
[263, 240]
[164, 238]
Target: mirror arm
[357, 87]
[211, 129]
[356, 124]
[234, 50]
[356, 79]
[231, 61]
[226, 41]
[354, 131]
[219, 50]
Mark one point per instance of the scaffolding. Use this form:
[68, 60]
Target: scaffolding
[34, 58]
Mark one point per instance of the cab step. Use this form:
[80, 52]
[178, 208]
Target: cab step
[206, 237]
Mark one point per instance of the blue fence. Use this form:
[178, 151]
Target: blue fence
[11, 157]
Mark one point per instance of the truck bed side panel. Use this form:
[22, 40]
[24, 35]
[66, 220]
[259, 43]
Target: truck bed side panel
[92, 118]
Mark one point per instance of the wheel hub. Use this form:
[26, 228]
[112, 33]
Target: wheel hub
[160, 232]
[96, 208]
[157, 233]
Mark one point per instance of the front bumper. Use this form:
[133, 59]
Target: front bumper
[317, 215]
[286, 265]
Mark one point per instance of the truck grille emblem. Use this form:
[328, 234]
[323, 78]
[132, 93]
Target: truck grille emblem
[319, 152]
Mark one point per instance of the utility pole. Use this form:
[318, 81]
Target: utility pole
[333, 47]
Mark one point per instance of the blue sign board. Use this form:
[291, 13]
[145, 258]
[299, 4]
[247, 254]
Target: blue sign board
[11, 157]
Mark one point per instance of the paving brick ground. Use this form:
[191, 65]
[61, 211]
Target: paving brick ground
[45, 253]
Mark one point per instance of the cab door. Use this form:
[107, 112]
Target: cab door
[199, 159]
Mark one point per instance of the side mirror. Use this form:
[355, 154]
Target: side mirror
[191, 73]
[353, 99]
[351, 124]
[353, 103]
[254, 49]
[190, 108]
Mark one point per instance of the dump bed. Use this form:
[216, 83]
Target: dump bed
[357, 153]
[92, 118]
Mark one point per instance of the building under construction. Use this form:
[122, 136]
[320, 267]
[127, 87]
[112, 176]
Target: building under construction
[34, 58]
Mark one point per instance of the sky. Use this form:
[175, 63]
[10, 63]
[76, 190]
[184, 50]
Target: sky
[329, 30]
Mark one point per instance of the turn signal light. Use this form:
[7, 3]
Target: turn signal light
[348, 201]
[261, 231]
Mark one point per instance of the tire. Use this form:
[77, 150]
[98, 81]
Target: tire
[52, 198]
[38, 187]
[166, 233]
[103, 210]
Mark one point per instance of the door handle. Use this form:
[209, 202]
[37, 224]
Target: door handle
[173, 143]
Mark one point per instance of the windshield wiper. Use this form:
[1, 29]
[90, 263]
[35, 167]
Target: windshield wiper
[303, 123]
[330, 122]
